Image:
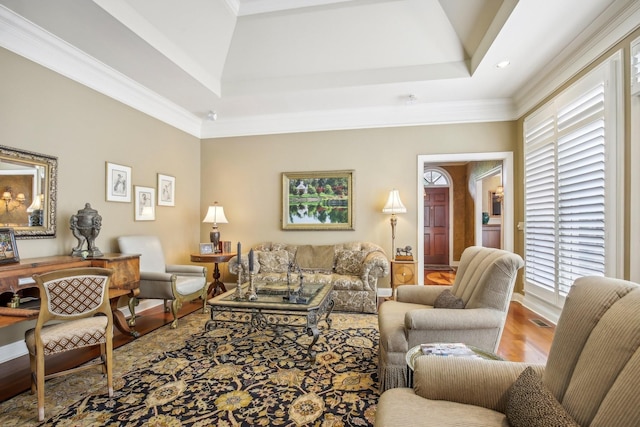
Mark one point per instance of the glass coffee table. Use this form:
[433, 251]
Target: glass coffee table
[274, 308]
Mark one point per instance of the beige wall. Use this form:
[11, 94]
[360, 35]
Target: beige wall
[47, 113]
[244, 175]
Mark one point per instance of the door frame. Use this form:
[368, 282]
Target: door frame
[507, 214]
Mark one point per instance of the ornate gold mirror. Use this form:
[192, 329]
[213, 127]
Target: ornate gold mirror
[28, 183]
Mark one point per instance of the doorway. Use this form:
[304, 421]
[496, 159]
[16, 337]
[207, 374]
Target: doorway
[507, 215]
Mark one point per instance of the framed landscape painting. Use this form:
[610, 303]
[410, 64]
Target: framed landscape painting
[317, 200]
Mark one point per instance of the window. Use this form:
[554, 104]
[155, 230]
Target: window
[571, 187]
[434, 177]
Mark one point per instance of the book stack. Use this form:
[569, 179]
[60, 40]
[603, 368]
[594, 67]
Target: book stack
[225, 246]
[448, 349]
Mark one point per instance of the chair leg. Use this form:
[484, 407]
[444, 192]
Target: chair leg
[40, 384]
[33, 366]
[175, 307]
[108, 349]
[166, 306]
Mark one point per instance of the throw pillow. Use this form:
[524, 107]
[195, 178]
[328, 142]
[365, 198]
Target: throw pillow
[315, 257]
[531, 404]
[273, 261]
[350, 262]
[448, 300]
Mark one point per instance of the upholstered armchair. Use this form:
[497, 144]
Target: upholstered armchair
[175, 283]
[74, 313]
[590, 378]
[472, 311]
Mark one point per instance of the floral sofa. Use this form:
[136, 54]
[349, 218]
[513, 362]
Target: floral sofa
[353, 268]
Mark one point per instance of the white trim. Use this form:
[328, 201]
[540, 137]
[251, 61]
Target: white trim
[493, 110]
[507, 179]
[32, 42]
[611, 27]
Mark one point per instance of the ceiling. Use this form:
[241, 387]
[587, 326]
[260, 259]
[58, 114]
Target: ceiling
[273, 66]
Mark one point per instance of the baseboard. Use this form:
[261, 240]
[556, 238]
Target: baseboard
[19, 348]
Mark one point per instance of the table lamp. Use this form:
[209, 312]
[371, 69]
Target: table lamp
[215, 215]
[394, 206]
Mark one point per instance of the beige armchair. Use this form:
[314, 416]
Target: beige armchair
[590, 378]
[175, 283]
[482, 289]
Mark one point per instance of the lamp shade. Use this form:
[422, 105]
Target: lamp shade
[215, 214]
[36, 205]
[394, 204]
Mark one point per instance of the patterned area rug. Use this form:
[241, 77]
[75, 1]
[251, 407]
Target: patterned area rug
[167, 378]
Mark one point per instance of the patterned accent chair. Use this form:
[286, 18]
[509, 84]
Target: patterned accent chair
[175, 283]
[472, 311]
[76, 298]
[590, 379]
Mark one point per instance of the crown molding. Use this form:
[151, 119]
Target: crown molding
[495, 110]
[619, 21]
[32, 42]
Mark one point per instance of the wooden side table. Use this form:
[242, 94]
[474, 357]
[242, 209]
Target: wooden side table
[216, 287]
[403, 273]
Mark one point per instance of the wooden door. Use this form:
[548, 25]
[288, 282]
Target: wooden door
[436, 225]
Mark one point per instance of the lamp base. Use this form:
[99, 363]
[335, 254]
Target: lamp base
[214, 236]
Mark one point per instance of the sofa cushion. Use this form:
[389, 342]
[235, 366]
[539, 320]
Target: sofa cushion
[350, 262]
[531, 404]
[274, 261]
[448, 300]
[315, 257]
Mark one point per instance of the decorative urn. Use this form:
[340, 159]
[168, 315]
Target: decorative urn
[85, 226]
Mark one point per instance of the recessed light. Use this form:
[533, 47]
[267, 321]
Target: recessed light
[503, 64]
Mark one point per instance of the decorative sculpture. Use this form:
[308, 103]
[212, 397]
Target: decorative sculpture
[85, 226]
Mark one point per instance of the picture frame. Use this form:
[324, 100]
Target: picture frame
[320, 200]
[166, 190]
[8, 247]
[206, 248]
[118, 183]
[145, 203]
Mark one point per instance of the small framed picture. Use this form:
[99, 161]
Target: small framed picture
[118, 183]
[8, 248]
[166, 190]
[145, 203]
[206, 248]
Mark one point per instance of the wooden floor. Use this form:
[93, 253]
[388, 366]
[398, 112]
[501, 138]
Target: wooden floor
[522, 340]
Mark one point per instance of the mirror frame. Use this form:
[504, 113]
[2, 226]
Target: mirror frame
[50, 163]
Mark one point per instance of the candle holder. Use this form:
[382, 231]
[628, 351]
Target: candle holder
[238, 294]
[251, 294]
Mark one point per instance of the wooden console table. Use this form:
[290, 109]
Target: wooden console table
[17, 278]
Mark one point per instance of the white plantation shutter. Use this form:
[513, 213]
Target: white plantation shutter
[566, 170]
[540, 201]
[635, 67]
[581, 188]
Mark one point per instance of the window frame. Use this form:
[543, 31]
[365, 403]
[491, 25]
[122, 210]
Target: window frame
[610, 73]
